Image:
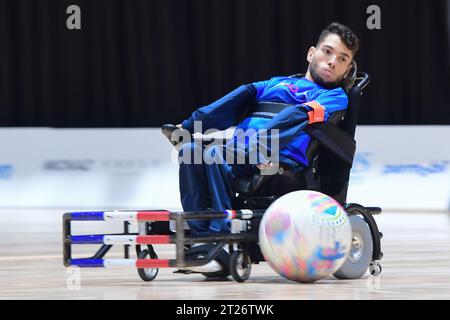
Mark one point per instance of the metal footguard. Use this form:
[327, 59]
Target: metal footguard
[145, 237]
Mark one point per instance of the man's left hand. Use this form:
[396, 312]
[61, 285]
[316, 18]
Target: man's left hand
[264, 166]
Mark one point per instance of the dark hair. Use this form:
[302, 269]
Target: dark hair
[347, 36]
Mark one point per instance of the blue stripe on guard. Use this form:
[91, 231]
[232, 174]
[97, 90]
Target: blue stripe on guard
[88, 216]
[87, 263]
[89, 239]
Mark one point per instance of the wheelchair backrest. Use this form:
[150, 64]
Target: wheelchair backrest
[333, 171]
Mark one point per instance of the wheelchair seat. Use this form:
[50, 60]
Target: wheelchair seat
[330, 156]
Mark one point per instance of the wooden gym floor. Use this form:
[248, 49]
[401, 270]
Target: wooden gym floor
[416, 265]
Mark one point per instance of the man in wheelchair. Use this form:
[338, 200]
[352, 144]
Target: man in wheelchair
[295, 119]
[307, 124]
[206, 177]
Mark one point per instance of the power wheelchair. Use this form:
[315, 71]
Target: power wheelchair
[330, 154]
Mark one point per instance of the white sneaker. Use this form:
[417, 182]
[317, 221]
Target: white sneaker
[212, 266]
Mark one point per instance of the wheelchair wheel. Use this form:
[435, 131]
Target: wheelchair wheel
[151, 273]
[223, 258]
[361, 250]
[240, 266]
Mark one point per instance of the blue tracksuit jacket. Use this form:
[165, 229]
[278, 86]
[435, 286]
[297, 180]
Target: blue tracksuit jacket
[291, 122]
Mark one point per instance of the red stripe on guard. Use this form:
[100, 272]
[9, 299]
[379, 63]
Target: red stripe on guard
[153, 216]
[164, 239]
[152, 263]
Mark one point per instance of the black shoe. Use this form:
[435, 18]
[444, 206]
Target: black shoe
[219, 267]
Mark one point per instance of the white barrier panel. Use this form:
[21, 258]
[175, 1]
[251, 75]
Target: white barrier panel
[396, 167]
[402, 167]
[92, 168]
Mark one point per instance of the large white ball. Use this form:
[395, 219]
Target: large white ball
[305, 236]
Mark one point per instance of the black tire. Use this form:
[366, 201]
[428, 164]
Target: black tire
[150, 273]
[240, 266]
[361, 251]
[223, 258]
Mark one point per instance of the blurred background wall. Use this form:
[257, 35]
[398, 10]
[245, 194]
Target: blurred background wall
[142, 63]
[80, 109]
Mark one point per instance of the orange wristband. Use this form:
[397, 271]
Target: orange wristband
[317, 114]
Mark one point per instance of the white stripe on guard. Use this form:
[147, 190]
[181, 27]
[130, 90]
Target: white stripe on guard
[120, 215]
[117, 263]
[117, 239]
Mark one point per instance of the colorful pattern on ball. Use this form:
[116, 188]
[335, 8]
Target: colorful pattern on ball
[305, 236]
[324, 204]
[279, 222]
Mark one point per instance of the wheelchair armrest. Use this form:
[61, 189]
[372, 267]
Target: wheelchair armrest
[335, 139]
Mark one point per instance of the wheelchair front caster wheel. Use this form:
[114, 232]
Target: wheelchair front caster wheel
[240, 266]
[375, 269]
[150, 273]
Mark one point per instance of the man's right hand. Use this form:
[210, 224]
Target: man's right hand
[176, 134]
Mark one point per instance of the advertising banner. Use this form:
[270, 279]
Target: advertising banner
[395, 167]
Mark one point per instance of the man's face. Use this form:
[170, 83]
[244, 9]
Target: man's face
[330, 62]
